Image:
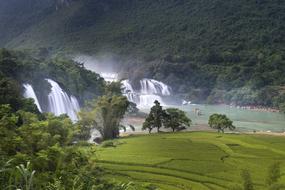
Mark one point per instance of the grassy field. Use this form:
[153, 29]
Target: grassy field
[192, 160]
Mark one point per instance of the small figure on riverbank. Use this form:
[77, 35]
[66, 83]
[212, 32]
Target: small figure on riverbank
[197, 111]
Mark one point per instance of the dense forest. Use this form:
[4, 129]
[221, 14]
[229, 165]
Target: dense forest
[17, 68]
[208, 51]
[44, 151]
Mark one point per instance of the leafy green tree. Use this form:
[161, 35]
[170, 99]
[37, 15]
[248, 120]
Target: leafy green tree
[170, 118]
[36, 135]
[10, 93]
[220, 122]
[156, 115]
[8, 127]
[148, 124]
[8, 64]
[176, 119]
[105, 115]
[132, 109]
[113, 88]
[28, 105]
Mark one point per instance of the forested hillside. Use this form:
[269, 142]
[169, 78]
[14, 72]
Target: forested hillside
[18, 68]
[214, 50]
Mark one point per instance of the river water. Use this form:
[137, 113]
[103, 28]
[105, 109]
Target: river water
[243, 119]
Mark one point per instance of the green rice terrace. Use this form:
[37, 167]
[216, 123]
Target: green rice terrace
[191, 160]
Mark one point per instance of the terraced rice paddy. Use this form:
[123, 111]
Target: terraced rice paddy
[196, 160]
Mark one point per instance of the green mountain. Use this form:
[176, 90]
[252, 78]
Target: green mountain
[214, 50]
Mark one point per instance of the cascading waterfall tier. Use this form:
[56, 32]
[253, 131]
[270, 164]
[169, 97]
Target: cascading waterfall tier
[129, 92]
[151, 86]
[30, 93]
[150, 90]
[60, 103]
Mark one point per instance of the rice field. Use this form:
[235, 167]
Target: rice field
[192, 160]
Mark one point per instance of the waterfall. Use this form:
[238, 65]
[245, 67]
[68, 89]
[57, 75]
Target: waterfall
[150, 90]
[150, 86]
[129, 92]
[30, 93]
[147, 100]
[60, 103]
[109, 77]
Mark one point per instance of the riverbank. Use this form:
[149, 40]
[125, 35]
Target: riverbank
[195, 127]
[258, 108]
[245, 119]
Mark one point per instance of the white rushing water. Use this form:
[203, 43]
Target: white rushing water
[150, 90]
[60, 103]
[30, 93]
[109, 77]
[129, 92]
[151, 86]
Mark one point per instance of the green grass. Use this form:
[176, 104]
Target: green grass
[197, 160]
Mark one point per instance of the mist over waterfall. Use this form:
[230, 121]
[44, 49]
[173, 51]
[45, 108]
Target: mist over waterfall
[60, 103]
[30, 93]
[109, 77]
[150, 90]
[106, 67]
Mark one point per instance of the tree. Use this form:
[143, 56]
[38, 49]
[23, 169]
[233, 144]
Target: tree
[170, 118]
[113, 89]
[105, 115]
[220, 122]
[8, 127]
[10, 93]
[155, 117]
[132, 109]
[148, 124]
[176, 119]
